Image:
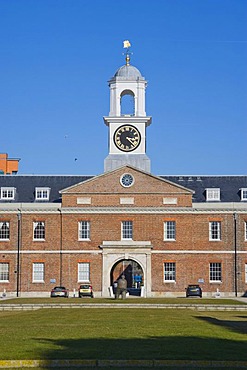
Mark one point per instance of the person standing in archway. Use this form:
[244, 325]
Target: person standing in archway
[121, 288]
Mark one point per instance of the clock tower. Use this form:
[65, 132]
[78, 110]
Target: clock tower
[127, 120]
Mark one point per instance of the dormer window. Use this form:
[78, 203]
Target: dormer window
[212, 194]
[243, 193]
[7, 193]
[42, 193]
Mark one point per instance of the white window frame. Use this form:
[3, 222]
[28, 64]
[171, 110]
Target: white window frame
[35, 225]
[42, 193]
[215, 272]
[127, 230]
[215, 231]
[4, 272]
[245, 231]
[243, 194]
[212, 194]
[245, 270]
[170, 231]
[7, 193]
[169, 272]
[83, 272]
[84, 230]
[8, 226]
[38, 272]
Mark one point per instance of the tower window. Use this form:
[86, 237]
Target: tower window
[127, 103]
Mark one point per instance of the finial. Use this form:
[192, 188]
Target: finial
[127, 45]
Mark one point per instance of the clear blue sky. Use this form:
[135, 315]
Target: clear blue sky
[56, 57]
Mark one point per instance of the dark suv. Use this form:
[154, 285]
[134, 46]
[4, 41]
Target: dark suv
[193, 290]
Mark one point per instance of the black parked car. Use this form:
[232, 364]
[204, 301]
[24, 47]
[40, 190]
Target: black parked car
[60, 291]
[193, 290]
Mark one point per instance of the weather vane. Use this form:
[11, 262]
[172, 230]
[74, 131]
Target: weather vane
[127, 45]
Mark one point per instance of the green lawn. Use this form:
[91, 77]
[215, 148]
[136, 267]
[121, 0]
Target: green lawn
[205, 301]
[111, 333]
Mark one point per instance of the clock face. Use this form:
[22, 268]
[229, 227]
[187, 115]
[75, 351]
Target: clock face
[127, 138]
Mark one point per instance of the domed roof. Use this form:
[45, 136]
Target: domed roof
[129, 72]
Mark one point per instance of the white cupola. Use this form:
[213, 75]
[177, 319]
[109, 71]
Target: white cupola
[127, 120]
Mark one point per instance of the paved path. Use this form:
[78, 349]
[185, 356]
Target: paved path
[197, 307]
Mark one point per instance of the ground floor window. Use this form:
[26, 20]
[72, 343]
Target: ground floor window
[169, 271]
[83, 271]
[4, 272]
[38, 272]
[215, 272]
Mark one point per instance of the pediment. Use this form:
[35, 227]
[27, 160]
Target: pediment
[110, 183]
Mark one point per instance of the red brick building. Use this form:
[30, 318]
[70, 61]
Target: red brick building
[162, 232]
[8, 166]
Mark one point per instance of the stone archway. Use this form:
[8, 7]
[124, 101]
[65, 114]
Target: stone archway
[116, 251]
[133, 273]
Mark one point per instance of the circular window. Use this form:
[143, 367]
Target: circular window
[127, 180]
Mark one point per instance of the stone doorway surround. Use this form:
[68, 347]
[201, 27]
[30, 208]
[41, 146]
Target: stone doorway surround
[114, 251]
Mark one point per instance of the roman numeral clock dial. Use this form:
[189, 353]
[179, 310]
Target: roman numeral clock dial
[127, 138]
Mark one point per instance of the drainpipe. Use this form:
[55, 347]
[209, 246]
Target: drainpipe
[18, 253]
[61, 248]
[235, 255]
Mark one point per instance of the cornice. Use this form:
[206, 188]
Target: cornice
[151, 210]
[197, 208]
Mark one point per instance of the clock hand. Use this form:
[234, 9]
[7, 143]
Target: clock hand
[130, 139]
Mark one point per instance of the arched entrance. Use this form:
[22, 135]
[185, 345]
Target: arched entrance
[114, 252]
[133, 274]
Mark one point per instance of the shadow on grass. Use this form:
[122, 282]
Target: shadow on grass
[233, 325]
[152, 348]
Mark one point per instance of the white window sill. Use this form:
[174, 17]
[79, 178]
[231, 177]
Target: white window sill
[4, 281]
[38, 281]
[38, 240]
[215, 281]
[169, 281]
[83, 281]
[84, 240]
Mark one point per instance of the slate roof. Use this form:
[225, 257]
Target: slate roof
[229, 186]
[25, 185]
